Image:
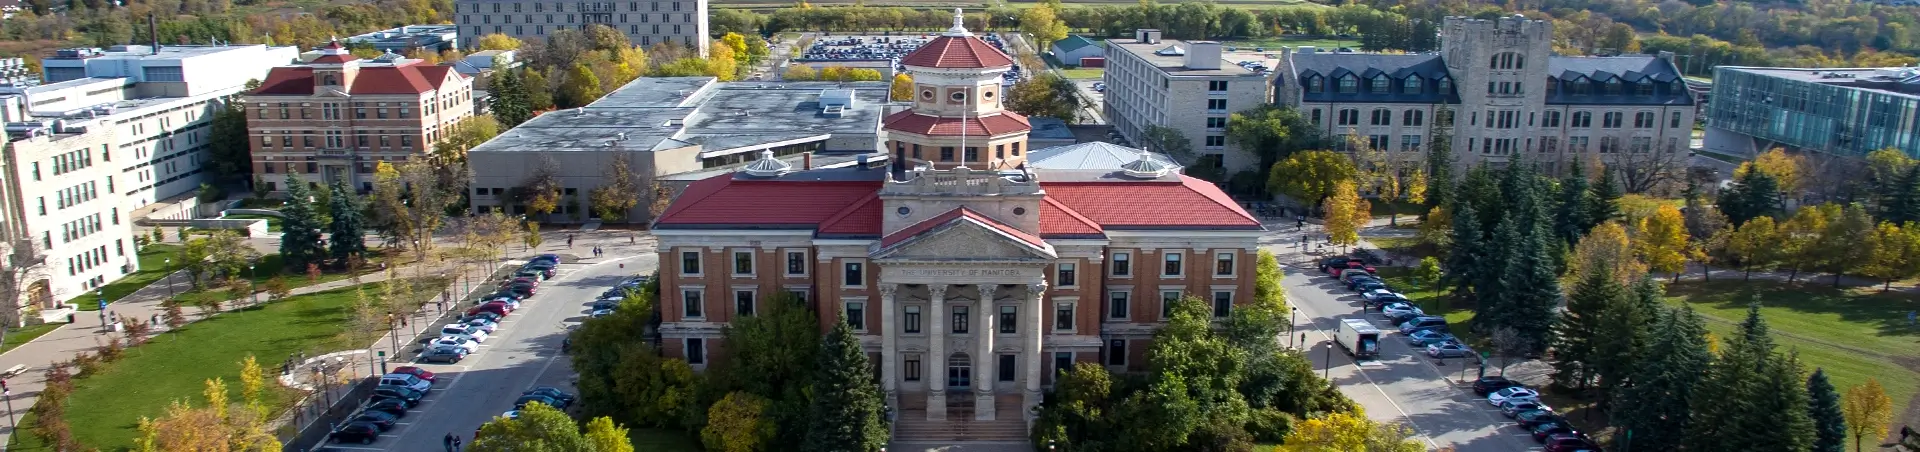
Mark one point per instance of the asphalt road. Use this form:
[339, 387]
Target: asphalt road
[1400, 385]
[524, 353]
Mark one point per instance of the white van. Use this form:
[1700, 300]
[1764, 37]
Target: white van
[406, 381]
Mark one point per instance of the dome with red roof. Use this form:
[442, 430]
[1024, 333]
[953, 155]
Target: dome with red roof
[958, 49]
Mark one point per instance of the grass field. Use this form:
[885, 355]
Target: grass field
[270, 265]
[1084, 73]
[105, 406]
[1854, 334]
[153, 266]
[24, 335]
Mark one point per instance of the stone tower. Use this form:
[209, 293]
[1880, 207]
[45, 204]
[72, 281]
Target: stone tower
[957, 117]
[1500, 70]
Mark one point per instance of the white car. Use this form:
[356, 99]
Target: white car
[1514, 394]
[454, 341]
[464, 331]
[600, 313]
[488, 326]
[511, 414]
[1379, 295]
[1393, 310]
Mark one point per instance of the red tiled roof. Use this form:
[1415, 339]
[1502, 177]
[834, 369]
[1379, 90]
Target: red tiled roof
[959, 214]
[390, 80]
[723, 201]
[1187, 204]
[1057, 219]
[957, 52]
[997, 124]
[287, 80]
[861, 217]
[333, 59]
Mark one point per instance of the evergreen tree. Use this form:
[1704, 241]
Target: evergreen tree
[300, 231]
[1754, 194]
[1466, 251]
[347, 232]
[1783, 422]
[1531, 289]
[1490, 274]
[1604, 203]
[1481, 189]
[1580, 327]
[1625, 335]
[511, 103]
[1655, 410]
[1749, 408]
[846, 404]
[1440, 182]
[1570, 215]
[1830, 425]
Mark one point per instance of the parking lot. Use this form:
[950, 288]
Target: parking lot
[524, 352]
[884, 47]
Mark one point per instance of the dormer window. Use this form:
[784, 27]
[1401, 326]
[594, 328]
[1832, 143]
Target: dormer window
[1411, 86]
[1349, 85]
[1380, 84]
[1613, 86]
[1444, 85]
[1316, 84]
[1643, 89]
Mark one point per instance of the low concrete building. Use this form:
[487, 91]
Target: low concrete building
[403, 39]
[669, 125]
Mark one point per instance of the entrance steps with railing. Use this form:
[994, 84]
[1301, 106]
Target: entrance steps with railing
[1009, 424]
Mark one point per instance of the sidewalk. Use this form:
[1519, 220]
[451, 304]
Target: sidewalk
[62, 344]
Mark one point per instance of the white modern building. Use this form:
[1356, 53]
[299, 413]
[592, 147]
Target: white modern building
[645, 23]
[1185, 86]
[112, 132]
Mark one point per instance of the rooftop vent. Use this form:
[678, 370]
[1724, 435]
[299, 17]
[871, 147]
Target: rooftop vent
[767, 166]
[1170, 51]
[1146, 167]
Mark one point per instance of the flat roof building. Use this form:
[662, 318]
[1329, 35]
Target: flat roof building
[403, 39]
[668, 125]
[1185, 86]
[1844, 112]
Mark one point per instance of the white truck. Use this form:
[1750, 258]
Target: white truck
[1357, 337]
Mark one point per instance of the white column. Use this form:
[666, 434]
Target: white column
[985, 359]
[937, 354]
[889, 356]
[1032, 336]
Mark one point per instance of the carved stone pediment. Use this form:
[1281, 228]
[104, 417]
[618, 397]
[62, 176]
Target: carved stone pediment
[964, 240]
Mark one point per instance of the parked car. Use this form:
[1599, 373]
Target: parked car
[395, 407]
[1355, 281]
[1542, 431]
[1400, 308]
[416, 372]
[552, 392]
[605, 304]
[1423, 323]
[463, 330]
[1378, 297]
[545, 268]
[1356, 264]
[1423, 338]
[1350, 274]
[534, 280]
[1449, 349]
[395, 392]
[1488, 384]
[1403, 317]
[554, 258]
[449, 355]
[378, 419]
[513, 302]
[511, 414]
[1528, 419]
[1510, 393]
[524, 290]
[484, 316]
[525, 272]
[1514, 408]
[1333, 265]
[1368, 285]
[357, 432]
[1569, 443]
[503, 293]
[495, 307]
[406, 381]
[487, 325]
[598, 313]
[451, 341]
[522, 402]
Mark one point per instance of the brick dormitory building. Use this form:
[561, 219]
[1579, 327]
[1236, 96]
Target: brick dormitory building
[969, 275]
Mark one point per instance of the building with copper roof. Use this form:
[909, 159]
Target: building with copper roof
[970, 277]
[335, 116]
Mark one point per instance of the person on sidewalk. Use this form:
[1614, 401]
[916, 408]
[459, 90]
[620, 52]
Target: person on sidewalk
[447, 442]
[456, 443]
[569, 241]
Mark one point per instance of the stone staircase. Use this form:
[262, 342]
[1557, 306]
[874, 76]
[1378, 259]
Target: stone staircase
[1009, 424]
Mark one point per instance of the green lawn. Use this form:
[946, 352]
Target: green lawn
[153, 266]
[105, 407]
[1853, 334]
[662, 440]
[1084, 73]
[24, 335]
[269, 266]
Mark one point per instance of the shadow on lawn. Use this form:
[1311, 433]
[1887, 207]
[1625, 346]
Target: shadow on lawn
[1885, 312]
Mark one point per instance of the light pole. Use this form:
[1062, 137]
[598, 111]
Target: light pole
[1290, 324]
[169, 266]
[8, 394]
[1327, 373]
[251, 292]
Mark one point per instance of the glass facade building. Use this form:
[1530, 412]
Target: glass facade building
[1847, 112]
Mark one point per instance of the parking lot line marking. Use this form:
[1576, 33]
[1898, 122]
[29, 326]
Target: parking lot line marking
[385, 435]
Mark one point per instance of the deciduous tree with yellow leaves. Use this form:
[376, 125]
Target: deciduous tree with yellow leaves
[1347, 432]
[1787, 169]
[1661, 241]
[1606, 246]
[902, 89]
[1896, 254]
[1868, 411]
[497, 41]
[1753, 245]
[1346, 213]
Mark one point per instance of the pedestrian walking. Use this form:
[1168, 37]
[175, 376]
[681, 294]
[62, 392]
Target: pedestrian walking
[155, 320]
[403, 322]
[569, 241]
[447, 442]
[456, 443]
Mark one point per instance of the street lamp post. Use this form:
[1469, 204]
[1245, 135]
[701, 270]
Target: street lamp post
[1290, 324]
[1327, 373]
[251, 292]
[169, 266]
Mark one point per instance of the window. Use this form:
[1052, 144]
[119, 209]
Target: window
[910, 366]
[857, 315]
[911, 325]
[1444, 85]
[1172, 267]
[1216, 104]
[1063, 317]
[1673, 120]
[1643, 120]
[1223, 264]
[959, 320]
[1316, 85]
[1382, 117]
[1411, 86]
[946, 153]
[1222, 304]
[1582, 119]
[1117, 352]
[1214, 141]
[692, 303]
[1216, 123]
[690, 263]
[1117, 305]
[1009, 319]
[1216, 85]
[1413, 117]
[1552, 119]
[854, 276]
[1066, 275]
[1349, 117]
[1168, 299]
[796, 263]
[1062, 362]
[1380, 84]
[696, 349]
[1006, 368]
[1409, 143]
[743, 302]
[1349, 85]
[1122, 264]
[1612, 120]
[743, 263]
[1315, 117]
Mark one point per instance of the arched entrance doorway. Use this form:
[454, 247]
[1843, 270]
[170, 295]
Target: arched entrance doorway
[959, 372]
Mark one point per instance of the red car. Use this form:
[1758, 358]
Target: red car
[422, 374]
[531, 281]
[1357, 265]
[496, 307]
[1569, 443]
